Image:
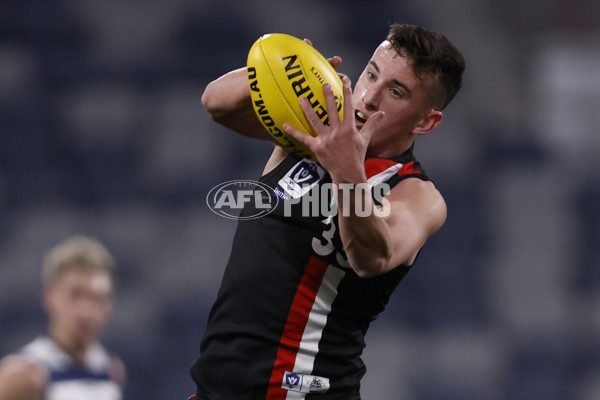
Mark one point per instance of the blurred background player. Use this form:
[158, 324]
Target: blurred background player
[69, 362]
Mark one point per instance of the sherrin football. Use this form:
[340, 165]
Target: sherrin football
[281, 70]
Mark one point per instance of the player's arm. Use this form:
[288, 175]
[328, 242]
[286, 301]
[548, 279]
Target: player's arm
[376, 244]
[227, 100]
[21, 380]
[117, 371]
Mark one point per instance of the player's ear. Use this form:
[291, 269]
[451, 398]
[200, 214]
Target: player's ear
[428, 123]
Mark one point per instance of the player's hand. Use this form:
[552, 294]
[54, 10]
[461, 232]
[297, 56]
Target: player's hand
[335, 61]
[340, 147]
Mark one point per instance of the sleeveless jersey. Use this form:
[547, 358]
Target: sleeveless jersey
[70, 381]
[291, 315]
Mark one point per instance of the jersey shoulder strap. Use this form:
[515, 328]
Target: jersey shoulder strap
[394, 170]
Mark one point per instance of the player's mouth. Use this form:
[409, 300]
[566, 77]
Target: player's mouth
[360, 118]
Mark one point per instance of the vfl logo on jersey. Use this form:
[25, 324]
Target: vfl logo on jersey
[299, 180]
[304, 383]
[292, 380]
[230, 198]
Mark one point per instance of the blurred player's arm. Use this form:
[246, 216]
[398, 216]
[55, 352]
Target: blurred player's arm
[21, 380]
[117, 372]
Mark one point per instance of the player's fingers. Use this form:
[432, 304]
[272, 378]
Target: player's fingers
[348, 103]
[371, 125]
[330, 103]
[297, 134]
[335, 61]
[312, 117]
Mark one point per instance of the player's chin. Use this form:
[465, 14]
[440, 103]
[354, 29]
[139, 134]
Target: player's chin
[86, 334]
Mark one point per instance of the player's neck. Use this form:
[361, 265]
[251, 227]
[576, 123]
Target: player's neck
[388, 151]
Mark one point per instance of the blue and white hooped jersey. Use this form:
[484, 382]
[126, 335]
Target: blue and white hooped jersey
[71, 381]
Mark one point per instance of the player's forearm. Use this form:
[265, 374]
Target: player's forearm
[227, 95]
[21, 381]
[364, 233]
[227, 101]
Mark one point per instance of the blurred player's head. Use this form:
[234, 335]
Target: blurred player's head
[78, 279]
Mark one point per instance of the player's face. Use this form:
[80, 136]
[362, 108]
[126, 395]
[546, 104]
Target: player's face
[79, 304]
[389, 84]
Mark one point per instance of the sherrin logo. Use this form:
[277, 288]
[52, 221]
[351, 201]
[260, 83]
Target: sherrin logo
[228, 199]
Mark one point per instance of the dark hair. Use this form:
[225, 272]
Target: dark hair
[430, 53]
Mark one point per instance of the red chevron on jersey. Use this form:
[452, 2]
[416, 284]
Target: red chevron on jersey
[380, 170]
[375, 166]
[408, 169]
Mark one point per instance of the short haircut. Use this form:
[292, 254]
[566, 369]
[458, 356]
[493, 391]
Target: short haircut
[430, 53]
[77, 253]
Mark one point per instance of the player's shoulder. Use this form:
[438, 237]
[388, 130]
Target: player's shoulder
[117, 370]
[423, 198]
[417, 187]
[21, 376]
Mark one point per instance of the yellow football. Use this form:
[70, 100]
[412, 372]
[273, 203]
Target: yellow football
[281, 70]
